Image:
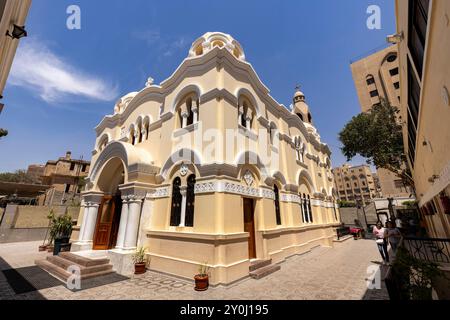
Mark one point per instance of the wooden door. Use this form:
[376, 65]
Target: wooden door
[107, 226]
[249, 226]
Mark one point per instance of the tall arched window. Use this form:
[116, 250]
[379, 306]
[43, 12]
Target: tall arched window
[190, 201]
[246, 114]
[133, 136]
[140, 133]
[190, 119]
[305, 208]
[175, 215]
[310, 210]
[188, 111]
[277, 205]
[302, 212]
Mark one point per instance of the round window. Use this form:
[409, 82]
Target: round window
[392, 58]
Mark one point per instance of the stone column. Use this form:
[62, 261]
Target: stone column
[81, 236]
[91, 221]
[136, 136]
[123, 224]
[185, 116]
[194, 109]
[132, 228]
[183, 191]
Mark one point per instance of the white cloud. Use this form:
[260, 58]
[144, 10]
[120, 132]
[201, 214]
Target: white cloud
[175, 46]
[150, 36]
[38, 69]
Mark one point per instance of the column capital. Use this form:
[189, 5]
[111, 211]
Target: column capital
[183, 190]
[135, 198]
[184, 114]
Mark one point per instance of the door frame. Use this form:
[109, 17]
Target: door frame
[114, 222]
[252, 252]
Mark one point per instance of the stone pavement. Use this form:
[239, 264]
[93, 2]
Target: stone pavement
[338, 273]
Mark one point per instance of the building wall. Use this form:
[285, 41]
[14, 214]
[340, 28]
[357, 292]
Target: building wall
[354, 183]
[382, 66]
[378, 66]
[224, 178]
[14, 12]
[429, 156]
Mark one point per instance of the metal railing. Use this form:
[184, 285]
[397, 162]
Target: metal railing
[428, 249]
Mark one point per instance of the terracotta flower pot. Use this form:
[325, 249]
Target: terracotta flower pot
[42, 248]
[139, 268]
[201, 282]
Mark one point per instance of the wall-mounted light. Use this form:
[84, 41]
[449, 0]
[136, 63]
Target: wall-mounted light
[433, 178]
[445, 96]
[18, 32]
[395, 38]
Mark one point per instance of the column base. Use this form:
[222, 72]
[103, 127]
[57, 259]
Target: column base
[81, 246]
[121, 261]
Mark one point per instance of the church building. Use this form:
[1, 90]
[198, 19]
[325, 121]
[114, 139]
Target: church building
[208, 168]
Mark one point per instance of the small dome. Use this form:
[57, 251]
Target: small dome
[298, 96]
[210, 40]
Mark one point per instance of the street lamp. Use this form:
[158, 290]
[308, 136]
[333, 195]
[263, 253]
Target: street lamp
[18, 32]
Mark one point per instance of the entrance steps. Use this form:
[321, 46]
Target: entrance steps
[89, 268]
[261, 268]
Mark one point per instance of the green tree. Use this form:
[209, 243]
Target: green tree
[3, 132]
[346, 204]
[377, 136]
[19, 176]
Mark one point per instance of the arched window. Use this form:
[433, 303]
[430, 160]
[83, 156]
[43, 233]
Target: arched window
[310, 209]
[190, 119]
[302, 211]
[246, 114]
[133, 136]
[190, 201]
[147, 127]
[188, 112]
[309, 118]
[370, 80]
[103, 143]
[305, 208]
[277, 205]
[299, 149]
[175, 214]
[140, 133]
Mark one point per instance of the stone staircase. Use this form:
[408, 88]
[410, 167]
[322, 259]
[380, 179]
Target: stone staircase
[261, 268]
[89, 268]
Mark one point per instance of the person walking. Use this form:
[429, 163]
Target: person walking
[380, 235]
[394, 235]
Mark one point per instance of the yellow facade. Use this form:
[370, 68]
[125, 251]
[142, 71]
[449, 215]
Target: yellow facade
[425, 107]
[213, 122]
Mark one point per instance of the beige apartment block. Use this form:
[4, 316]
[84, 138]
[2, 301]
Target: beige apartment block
[63, 175]
[424, 29]
[206, 167]
[357, 184]
[377, 76]
[12, 12]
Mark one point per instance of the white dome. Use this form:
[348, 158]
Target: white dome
[216, 39]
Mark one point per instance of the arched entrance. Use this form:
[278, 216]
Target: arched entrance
[108, 217]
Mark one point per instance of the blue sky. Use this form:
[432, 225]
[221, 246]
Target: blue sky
[64, 81]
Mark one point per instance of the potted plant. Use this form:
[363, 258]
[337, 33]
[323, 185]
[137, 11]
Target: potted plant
[139, 260]
[60, 231]
[202, 278]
